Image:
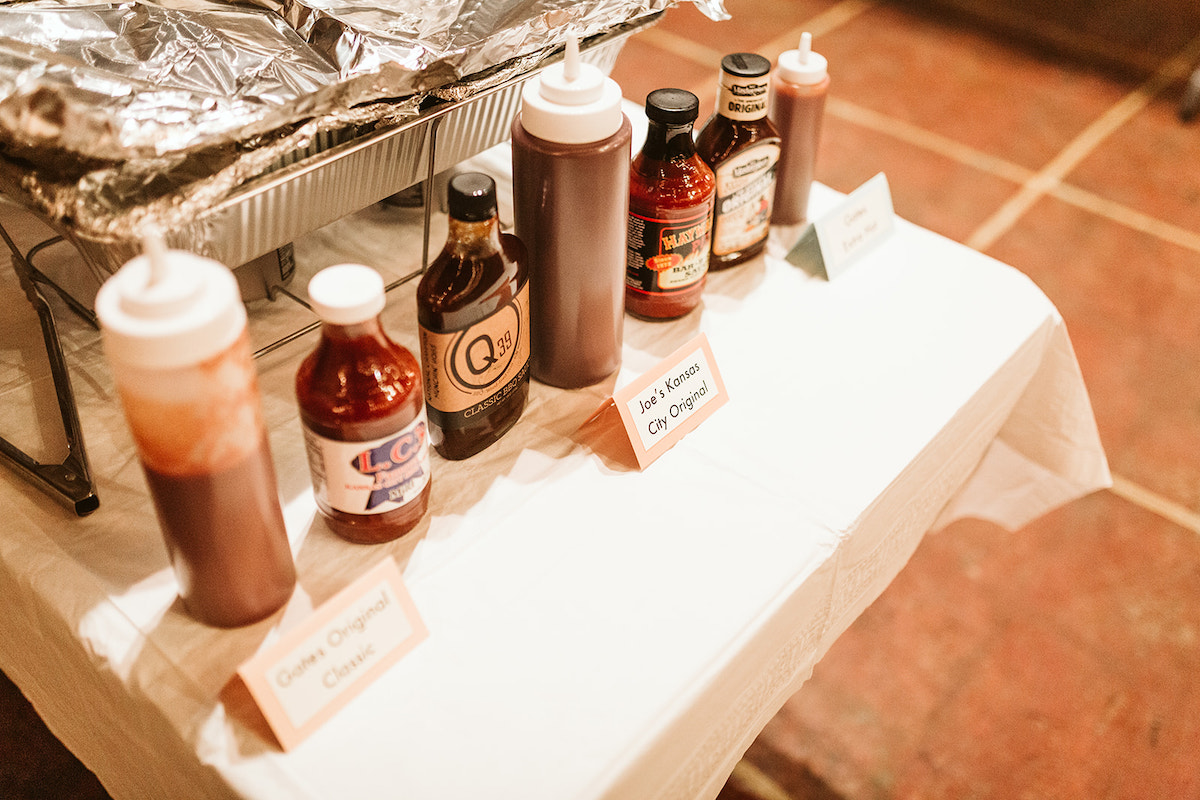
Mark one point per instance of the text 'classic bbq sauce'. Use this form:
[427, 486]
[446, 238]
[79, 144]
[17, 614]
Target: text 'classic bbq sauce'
[741, 146]
[363, 413]
[671, 193]
[473, 311]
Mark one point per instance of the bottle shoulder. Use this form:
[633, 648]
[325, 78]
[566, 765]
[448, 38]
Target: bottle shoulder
[463, 286]
[355, 381]
[722, 137]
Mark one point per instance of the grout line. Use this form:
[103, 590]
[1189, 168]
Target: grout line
[1050, 177]
[754, 781]
[934, 142]
[1127, 216]
[1155, 503]
[819, 25]
[828, 20]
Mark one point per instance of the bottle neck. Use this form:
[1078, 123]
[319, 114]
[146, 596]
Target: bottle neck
[665, 142]
[473, 237]
[370, 328]
[743, 99]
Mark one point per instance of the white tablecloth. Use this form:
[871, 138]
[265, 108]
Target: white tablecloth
[596, 631]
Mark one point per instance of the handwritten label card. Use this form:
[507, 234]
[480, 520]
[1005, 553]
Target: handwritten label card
[860, 222]
[670, 400]
[305, 678]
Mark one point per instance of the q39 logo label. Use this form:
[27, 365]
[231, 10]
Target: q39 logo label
[479, 356]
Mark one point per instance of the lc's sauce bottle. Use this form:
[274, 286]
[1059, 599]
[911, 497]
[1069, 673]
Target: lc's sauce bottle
[473, 313]
[742, 147]
[671, 193]
[363, 413]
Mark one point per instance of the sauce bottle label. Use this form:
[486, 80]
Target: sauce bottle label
[742, 98]
[666, 255]
[470, 371]
[370, 477]
[745, 195]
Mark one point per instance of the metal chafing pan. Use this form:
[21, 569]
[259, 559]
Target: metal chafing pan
[330, 177]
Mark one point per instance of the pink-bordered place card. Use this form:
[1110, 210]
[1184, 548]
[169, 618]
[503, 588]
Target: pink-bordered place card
[318, 667]
[672, 399]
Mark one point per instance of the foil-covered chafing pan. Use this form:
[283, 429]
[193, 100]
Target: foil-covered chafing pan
[330, 174]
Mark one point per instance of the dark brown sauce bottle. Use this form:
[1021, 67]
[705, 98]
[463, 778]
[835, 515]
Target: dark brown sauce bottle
[741, 146]
[671, 193]
[473, 311]
[363, 413]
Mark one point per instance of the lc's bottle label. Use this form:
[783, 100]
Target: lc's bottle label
[370, 477]
[666, 255]
[469, 371]
[745, 196]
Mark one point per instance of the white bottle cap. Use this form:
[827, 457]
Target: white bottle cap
[346, 294]
[802, 65]
[167, 309]
[571, 102]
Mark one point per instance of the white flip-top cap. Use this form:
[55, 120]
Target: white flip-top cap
[346, 294]
[803, 65]
[571, 102]
[167, 309]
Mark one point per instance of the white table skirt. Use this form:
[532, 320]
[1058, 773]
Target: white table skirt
[595, 631]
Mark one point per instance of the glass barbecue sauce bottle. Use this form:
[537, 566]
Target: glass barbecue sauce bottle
[473, 314]
[742, 147]
[363, 413]
[671, 193]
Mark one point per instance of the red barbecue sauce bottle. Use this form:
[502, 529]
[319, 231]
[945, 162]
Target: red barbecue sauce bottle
[473, 314]
[671, 193]
[363, 413]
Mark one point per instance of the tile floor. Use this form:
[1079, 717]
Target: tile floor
[1058, 660]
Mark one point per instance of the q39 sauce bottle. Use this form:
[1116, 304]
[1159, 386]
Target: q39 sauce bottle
[671, 193]
[174, 331]
[742, 147]
[473, 314]
[363, 413]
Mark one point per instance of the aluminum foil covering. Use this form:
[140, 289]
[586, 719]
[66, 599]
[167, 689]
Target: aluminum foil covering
[107, 105]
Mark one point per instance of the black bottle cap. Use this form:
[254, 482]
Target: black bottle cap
[672, 106]
[745, 65]
[471, 197]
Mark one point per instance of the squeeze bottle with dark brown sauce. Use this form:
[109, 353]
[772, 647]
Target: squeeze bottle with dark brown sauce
[473, 314]
[671, 193]
[570, 150]
[363, 413]
[174, 332]
[799, 87]
[742, 147]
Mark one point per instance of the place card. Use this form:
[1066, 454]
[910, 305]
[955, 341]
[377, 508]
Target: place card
[670, 400]
[317, 668]
[856, 226]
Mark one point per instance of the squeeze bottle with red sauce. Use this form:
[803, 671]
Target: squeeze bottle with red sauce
[671, 193]
[799, 87]
[571, 151]
[473, 315]
[742, 147]
[174, 331]
[363, 413]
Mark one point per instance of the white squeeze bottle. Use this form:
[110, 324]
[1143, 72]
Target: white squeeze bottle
[799, 86]
[174, 332]
[571, 153]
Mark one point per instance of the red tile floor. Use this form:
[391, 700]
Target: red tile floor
[1056, 661]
